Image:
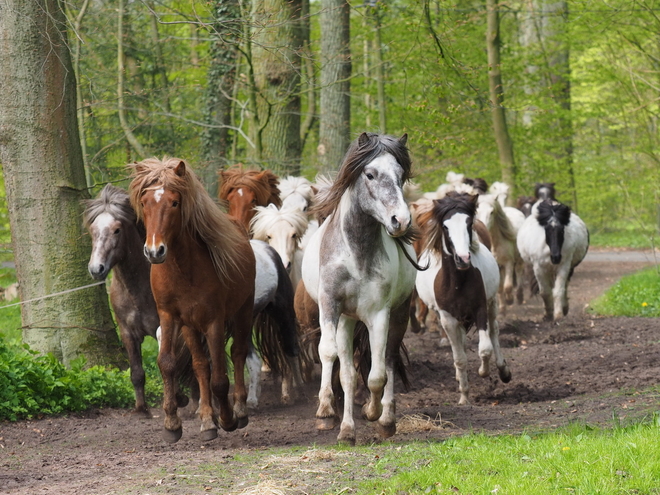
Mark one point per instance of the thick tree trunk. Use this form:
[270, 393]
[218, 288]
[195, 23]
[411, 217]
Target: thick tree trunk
[45, 180]
[226, 32]
[502, 138]
[335, 123]
[276, 61]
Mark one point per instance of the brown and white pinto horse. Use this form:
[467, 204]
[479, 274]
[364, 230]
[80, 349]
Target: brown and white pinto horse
[245, 189]
[203, 283]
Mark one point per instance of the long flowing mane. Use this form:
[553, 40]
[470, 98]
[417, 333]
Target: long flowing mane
[298, 185]
[201, 216]
[361, 152]
[264, 184]
[430, 219]
[503, 222]
[116, 202]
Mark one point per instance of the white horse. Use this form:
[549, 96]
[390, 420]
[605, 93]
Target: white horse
[461, 284]
[296, 192]
[503, 224]
[283, 229]
[356, 269]
[554, 240]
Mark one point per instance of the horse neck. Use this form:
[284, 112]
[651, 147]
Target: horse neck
[500, 227]
[362, 231]
[132, 271]
[451, 278]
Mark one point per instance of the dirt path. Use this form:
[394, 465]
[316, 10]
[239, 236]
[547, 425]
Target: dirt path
[584, 368]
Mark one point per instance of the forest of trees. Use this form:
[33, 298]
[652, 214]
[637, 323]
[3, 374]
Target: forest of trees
[526, 90]
[227, 81]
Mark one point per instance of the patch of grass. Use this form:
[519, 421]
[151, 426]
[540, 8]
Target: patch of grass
[578, 459]
[634, 295]
[634, 239]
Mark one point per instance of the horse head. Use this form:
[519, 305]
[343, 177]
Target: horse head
[105, 218]
[553, 217]
[281, 228]
[246, 189]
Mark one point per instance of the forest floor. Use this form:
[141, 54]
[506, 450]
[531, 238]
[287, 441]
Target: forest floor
[585, 368]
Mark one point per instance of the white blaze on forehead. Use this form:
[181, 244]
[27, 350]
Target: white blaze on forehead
[387, 164]
[458, 233]
[103, 221]
[158, 193]
[240, 191]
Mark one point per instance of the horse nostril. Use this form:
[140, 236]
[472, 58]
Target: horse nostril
[395, 222]
[161, 251]
[101, 269]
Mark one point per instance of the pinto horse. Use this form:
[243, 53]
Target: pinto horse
[554, 240]
[245, 189]
[461, 284]
[202, 277]
[357, 268]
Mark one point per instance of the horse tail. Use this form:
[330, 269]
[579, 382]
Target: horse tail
[362, 356]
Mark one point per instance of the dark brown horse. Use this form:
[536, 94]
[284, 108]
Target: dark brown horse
[117, 244]
[245, 189]
[202, 279]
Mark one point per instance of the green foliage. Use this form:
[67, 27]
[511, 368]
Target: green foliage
[578, 459]
[634, 295]
[33, 385]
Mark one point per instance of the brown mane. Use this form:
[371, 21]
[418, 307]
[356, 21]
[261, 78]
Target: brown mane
[361, 152]
[262, 183]
[201, 216]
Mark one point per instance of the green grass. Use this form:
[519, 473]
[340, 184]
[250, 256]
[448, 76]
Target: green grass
[633, 239]
[575, 460]
[634, 295]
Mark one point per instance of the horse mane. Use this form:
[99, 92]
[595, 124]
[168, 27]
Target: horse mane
[361, 152]
[266, 215]
[548, 209]
[298, 185]
[502, 221]
[201, 216]
[263, 183]
[430, 219]
[116, 202]
[545, 185]
[479, 184]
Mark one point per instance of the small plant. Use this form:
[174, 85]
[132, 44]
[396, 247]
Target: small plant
[634, 295]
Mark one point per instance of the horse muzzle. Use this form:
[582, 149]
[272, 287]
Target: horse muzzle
[555, 259]
[398, 226]
[462, 262]
[98, 271]
[156, 255]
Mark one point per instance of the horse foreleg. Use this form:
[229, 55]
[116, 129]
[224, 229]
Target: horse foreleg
[203, 374]
[456, 335]
[239, 351]
[254, 369]
[134, 350]
[167, 365]
[378, 334]
[347, 376]
[485, 342]
[559, 290]
[544, 278]
[508, 282]
[326, 417]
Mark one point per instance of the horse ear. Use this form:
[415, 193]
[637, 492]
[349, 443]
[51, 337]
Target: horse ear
[180, 169]
[403, 139]
[363, 140]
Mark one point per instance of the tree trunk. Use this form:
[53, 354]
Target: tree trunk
[380, 69]
[45, 180]
[335, 124]
[310, 76]
[276, 61]
[221, 78]
[502, 138]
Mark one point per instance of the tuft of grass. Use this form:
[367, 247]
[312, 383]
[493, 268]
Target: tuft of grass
[578, 459]
[634, 295]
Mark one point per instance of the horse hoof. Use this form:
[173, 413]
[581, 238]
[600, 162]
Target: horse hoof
[230, 427]
[326, 423]
[444, 342]
[386, 431]
[347, 438]
[370, 415]
[483, 373]
[142, 412]
[242, 422]
[505, 374]
[172, 436]
[208, 435]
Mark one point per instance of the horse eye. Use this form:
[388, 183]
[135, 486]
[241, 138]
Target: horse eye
[370, 177]
[175, 204]
[293, 236]
[117, 231]
[268, 237]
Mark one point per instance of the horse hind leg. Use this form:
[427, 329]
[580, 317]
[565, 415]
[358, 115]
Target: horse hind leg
[494, 332]
[133, 348]
[253, 363]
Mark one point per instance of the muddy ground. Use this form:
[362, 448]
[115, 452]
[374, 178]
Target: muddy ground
[584, 368]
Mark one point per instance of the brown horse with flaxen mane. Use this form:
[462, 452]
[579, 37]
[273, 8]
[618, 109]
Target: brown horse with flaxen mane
[202, 277]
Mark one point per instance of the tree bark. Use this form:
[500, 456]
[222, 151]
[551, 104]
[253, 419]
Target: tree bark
[380, 69]
[276, 62]
[226, 33]
[335, 122]
[501, 132]
[45, 181]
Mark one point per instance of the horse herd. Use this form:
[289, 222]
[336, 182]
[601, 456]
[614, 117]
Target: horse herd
[297, 273]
